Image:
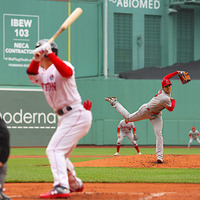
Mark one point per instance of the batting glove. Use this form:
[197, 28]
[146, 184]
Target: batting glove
[47, 48]
[44, 48]
[38, 56]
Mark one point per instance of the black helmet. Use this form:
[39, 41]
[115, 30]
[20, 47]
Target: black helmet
[54, 46]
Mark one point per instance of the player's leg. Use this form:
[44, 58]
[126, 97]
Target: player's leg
[198, 140]
[136, 116]
[75, 183]
[157, 124]
[72, 127]
[130, 137]
[190, 141]
[119, 143]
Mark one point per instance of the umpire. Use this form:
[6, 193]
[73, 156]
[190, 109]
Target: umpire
[4, 154]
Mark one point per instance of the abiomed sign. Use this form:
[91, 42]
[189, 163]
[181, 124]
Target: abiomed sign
[20, 32]
[145, 4]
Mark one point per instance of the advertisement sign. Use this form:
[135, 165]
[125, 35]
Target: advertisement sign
[20, 32]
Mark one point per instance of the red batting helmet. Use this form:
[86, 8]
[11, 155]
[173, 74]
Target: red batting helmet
[166, 82]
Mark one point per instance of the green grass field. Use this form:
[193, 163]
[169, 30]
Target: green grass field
[38, 170]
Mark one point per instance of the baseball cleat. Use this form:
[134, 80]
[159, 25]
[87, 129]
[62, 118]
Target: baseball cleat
[159, 161]
[111, 100]
[80, 189]
[139, 153]
[56, 192]
[3, 196]
[116, 154]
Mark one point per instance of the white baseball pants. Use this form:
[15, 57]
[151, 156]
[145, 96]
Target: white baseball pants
[72, 126]
[191, 140]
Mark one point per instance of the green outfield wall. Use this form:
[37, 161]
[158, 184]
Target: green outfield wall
[32, 122]
[111, 36]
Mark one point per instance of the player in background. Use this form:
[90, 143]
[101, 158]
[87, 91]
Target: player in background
[57, 79]
[193, 134]
[152, 111]
[125, 130]
[4, 154]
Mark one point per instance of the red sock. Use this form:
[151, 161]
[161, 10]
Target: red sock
[118, 147]
[136, 147]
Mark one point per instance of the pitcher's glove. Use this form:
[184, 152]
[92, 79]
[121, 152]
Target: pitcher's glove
[135, 137]
[184, 77]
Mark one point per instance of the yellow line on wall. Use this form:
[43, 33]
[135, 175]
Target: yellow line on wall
[69, 34]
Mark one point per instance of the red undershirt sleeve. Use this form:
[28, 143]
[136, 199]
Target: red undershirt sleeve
[62, 68]
[134, 130]
[172, 106]
[118, 129]
[168, 76]
[33, 67]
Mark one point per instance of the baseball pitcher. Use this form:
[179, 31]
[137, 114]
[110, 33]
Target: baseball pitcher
[193, 134]
[152, 111]
[125, 130]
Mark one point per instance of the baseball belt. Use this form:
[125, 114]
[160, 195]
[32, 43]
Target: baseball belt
[62, 111]
[152, 112]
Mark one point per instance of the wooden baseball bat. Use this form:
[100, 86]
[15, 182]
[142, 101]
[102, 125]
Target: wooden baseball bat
[74, 15]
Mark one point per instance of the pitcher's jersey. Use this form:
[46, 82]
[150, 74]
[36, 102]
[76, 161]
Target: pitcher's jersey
[193, 134]
[59, 91]
[160, 101]
[126, 127]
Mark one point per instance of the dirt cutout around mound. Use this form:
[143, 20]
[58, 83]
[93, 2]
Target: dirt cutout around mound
[144, 161]
[122, 191]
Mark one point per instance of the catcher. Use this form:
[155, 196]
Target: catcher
[4, 154]
[125, 130]
[193, 134]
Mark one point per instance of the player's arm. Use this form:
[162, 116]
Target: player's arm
[172, 105]
[190, 135]
[62, 68]
[118, 132]
[33, 67]
[169, 104]
[134, 130]
[168, 76]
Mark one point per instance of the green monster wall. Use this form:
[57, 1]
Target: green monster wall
[32, 122]
[23, 106]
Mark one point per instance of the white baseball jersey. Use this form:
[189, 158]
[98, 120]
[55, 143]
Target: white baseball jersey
[159, 101]
[59, 91]
[193, 134]
[126, 127]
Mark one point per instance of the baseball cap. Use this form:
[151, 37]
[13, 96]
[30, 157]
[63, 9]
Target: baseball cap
[166, 82]
[193, 127]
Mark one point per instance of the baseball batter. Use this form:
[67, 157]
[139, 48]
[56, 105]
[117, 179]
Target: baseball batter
[125, 130]
[57, 79]
[193, 134]
[152, 111]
